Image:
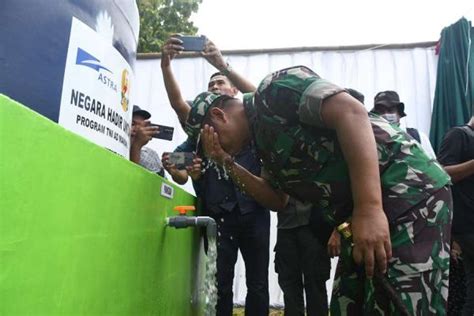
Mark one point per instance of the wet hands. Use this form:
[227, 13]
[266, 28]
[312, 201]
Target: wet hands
[371, 238]
[212, 147]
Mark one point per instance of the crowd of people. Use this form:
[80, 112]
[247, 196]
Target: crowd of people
[344, 182]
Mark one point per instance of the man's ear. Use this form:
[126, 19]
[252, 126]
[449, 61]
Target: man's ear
[234, 91]
[218, 114]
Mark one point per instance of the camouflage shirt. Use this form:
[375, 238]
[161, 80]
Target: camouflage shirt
[304, 158]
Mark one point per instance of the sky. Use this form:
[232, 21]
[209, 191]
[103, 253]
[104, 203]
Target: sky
[254, 24]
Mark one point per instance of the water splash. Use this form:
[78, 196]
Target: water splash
[210, 282]
[221, 172]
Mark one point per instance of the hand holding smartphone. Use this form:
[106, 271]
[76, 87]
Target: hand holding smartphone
[181, 160]
[193, 43]
[164, 132]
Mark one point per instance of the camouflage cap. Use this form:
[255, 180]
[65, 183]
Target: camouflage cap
[281, 88]
[199, 109]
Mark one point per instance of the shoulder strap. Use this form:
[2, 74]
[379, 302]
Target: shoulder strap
[413, 132]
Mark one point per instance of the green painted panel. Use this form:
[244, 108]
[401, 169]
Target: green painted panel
[82, 229]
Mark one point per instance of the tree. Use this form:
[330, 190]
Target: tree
[161, 18]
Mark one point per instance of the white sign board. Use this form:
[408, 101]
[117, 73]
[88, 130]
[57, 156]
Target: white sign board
[96, 90]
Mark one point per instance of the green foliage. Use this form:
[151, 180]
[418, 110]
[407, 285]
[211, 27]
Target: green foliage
[161, 18]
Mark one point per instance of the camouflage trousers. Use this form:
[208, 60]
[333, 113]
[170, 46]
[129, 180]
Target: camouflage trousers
[418, 270]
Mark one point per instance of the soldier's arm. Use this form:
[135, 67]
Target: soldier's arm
[354, 132]
[255, 186]
[171, 48]
[214, 56]
[357, 141]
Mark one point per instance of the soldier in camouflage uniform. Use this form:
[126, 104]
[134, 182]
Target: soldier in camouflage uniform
[308, 161]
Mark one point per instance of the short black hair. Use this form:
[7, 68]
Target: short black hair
[217, 74]
[221, 74]
[221, 103]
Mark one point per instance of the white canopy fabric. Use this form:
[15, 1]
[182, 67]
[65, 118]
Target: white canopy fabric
[409, 71]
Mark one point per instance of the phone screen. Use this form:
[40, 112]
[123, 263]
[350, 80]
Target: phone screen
[193, 43]
[164, 132]
[181, 159]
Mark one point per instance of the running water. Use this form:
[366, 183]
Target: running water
[210, 282]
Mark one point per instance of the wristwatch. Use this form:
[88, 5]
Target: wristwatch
[227, 70]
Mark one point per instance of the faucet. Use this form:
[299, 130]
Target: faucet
[183, 221]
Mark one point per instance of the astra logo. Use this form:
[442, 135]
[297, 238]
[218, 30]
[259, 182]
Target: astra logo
[83, 58]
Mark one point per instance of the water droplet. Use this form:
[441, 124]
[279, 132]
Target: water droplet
[221, 172]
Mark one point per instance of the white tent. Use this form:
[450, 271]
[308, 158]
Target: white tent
[408, 69]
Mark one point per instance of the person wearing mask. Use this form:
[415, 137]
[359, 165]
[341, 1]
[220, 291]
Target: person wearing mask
[387, 104]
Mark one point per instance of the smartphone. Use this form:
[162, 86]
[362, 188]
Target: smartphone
[164, 132]
[181, 159]
[193, 43]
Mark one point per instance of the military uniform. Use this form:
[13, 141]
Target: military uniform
[304, 159]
